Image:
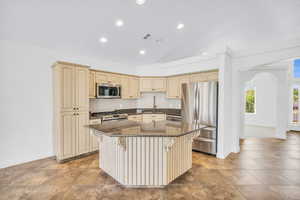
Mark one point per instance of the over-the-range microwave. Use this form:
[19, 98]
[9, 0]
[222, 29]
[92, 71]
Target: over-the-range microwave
[108, 91]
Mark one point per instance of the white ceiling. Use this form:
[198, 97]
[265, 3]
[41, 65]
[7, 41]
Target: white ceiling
[76, 25]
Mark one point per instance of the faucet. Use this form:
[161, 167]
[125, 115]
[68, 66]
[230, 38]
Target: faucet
[154, 102]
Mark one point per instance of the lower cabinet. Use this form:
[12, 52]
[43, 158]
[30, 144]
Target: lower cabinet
[73, 138]
[137, 118]
[82, 133]
[93, 141]
[147, 118]
[66, 140]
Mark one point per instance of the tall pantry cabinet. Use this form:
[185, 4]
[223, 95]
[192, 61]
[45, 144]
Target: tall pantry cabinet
[71, 110]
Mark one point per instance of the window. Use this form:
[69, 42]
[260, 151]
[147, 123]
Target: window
[295, 99]
[297, 68]
[250, 101]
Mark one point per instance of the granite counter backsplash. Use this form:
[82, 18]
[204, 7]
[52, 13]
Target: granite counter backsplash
[135, 111]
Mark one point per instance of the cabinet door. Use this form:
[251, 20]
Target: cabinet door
[93, 141]
[67, 137]
[114, 79]
[159, 84]
[92, 84]
[82, 89]
[125, 89]
[82, 132]
[213, 76]
[146, 84]
[182, 79]
[101, 77]
[198, 77]
[67, 88]
[137, 118]
[173, 89]
[134, 88]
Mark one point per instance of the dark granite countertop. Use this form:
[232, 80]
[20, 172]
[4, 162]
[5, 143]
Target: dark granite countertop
[136, 111]
[127, 128]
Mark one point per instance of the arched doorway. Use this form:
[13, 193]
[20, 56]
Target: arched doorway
[260, 101]
[266, 80]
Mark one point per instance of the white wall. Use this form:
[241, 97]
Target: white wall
[187, 65]
[26, 99]
[266, 100]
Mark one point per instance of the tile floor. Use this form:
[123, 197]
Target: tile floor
[264, 169]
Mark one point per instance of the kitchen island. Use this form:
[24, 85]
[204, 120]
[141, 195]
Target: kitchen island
[140, 154]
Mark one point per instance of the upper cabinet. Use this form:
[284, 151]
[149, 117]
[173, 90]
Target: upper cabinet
[152, 84]
[71, 86]
[92, 84]
[174, 86]
[100, 77]
[204, 76]
[82, 88]
[114, 79]
[130, 87]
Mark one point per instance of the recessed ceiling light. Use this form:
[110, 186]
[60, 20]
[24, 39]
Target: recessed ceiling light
[140, 2]
[142, 52]
[204, 53]
[180, 26]
[103, 40]
[119, 23]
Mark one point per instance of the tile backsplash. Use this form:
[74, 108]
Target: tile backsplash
[145, 101]
[103, 105]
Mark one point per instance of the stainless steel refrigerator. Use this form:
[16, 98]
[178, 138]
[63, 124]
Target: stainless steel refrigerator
[199, 104]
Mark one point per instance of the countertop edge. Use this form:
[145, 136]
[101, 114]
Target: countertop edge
[179, 135]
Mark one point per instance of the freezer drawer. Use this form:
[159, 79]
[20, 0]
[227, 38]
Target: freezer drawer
[209, 132]
[205, 145]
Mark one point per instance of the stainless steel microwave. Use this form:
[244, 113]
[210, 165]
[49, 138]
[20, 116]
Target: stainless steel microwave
[108, 91]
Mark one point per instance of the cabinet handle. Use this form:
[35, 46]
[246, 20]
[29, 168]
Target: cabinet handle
[74, 113]
[74, 108]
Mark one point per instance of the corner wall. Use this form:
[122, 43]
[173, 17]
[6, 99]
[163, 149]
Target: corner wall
[26, 99]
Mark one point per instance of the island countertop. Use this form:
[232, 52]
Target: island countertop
[127, 128]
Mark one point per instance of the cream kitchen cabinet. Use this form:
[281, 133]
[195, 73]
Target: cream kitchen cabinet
[153, 117]
[101, 78]
[130, 87]
[137, 118]
[94, 145]
[71, 106]
[199, 77]
[204, 76]
[152, 84]
[174, 86]
[114, 79]
[92, 84]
